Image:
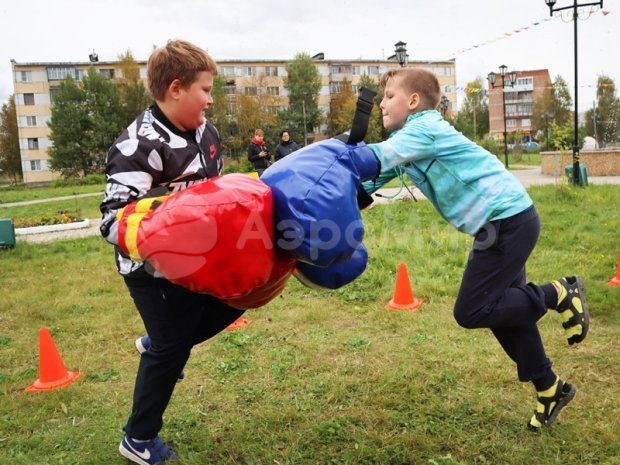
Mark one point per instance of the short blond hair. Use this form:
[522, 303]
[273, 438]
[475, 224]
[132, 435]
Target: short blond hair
[416, 80]
[178, 59]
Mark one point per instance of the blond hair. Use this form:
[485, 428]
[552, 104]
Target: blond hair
[178, 59]
[416, 80]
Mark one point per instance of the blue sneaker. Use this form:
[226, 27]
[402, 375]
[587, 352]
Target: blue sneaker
[153, 452]
[144, 343]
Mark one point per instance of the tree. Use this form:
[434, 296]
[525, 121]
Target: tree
[10, 158]
[603, 122]
[341, 110]
[218, 114]
[135, 98]
[103, 107]
[552, 109]
[473, 118]
[376, 132]
[85, 121]
[303, 85]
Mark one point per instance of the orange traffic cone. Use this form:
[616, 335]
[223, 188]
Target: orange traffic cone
[52, 372]
[238, 324]
[616, 281]
[403, 295]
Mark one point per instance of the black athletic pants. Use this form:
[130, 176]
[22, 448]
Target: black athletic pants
[494, 293]
[176, 320]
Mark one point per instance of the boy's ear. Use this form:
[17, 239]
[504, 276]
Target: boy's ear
[414, 101]
[174, 88]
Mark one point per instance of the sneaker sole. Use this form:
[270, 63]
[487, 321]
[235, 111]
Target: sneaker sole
[129, 455]
[586, 312]
[561, 404]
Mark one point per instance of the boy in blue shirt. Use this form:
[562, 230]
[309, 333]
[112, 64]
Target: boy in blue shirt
[472, 190]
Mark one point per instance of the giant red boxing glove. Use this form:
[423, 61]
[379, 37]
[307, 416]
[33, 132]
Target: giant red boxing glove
[262, 295]
[215, 237]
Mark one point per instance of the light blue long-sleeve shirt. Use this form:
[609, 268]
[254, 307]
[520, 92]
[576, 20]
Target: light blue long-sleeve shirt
[467, 185]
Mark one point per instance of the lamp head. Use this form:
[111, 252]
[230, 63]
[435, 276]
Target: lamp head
[502, 70]
[550, 4]
[513, 77]
[401, 52]
[492, 77]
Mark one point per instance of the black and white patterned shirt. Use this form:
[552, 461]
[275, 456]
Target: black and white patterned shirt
[152, 153]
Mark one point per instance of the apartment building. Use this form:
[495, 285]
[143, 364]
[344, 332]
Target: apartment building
[519, 103]
[35, 85]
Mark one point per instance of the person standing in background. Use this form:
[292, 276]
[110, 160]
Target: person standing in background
[286, 146]
[258, 154]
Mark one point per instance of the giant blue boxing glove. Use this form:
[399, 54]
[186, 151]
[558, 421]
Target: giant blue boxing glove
[317, 219]
[333, 276]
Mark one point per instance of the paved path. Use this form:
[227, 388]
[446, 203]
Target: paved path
[529, 177]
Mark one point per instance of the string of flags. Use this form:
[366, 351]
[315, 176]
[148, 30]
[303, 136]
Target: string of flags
[508, 34]
[475, 90]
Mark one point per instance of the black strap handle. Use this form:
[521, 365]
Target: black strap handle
[362, 115]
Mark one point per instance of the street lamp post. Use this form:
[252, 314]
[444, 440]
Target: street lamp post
[401, 53]
[574, 6]
[512, 79]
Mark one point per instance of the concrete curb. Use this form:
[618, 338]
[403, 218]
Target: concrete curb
[52, 228]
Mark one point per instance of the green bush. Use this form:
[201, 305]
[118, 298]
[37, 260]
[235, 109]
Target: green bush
[242, 165]
[88, 180]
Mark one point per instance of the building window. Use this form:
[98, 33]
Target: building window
[251, 91]
[107, 73]
[33, 143]
[511, 123]
[249, 71]
[227, 70]
[26, 76]
[334, 87]
[271, 70]
[53, 93]
[356, 70]
[273, 90]
[28, 99]
[526, 122]
[35, 165]
[340, 69]
[59, 73]
[511, 110]
[525, 81]
[373, 70]
[31, 120]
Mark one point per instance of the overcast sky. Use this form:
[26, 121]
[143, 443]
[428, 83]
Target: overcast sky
[69, 30]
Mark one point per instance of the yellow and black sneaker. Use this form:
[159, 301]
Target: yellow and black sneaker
[573, 307]
[549, 404]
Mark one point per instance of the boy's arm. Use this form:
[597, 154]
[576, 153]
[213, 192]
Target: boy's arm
[128, 179]
[413, 142]
[374, 185]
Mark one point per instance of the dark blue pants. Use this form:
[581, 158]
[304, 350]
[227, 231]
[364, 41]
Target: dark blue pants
[176, 320]
[494, 293]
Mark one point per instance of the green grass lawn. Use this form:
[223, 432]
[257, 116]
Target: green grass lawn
[323, 377]
[21, 193]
